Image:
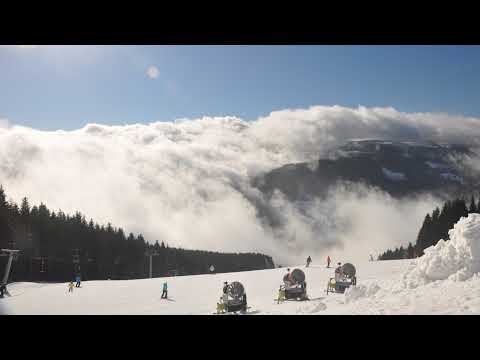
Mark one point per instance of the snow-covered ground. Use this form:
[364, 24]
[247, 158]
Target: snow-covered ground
[393, 176]
[445, 280]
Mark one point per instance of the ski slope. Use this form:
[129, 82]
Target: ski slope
[199, 294]
[445, 280]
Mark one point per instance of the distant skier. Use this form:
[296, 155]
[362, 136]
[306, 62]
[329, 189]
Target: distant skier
[165, 290]
[328, 261]
[70, 286]
[309, 260]
[3, 289]
[338, 272]
[78, 280]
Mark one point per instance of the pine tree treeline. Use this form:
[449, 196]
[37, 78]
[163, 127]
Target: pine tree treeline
[435, 227]
[54, 246]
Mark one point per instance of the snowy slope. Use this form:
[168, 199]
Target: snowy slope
[445, 280]
[188, 294]
[198, 294]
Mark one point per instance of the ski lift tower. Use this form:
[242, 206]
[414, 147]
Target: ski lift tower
[151, 254]
[76, 261]
[11, 254]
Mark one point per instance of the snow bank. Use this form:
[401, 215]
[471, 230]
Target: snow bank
[457, 259]
[360, 291]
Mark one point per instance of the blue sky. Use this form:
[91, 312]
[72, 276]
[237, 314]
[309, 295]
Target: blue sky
[66, 87]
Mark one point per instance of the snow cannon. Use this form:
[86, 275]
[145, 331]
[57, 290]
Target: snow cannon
[295, 286]
[343, 279]
[349, 271]
[234, 297]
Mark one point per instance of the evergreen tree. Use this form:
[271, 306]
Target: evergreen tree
[473, 206]
[25, 208]
[3, 198]
[64, 244]
[410, 251]
[434, 228]
[423, 238]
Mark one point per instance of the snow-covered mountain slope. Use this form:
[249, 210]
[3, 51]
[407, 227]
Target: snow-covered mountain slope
[398, 168]
[198, 294]
[445, 280]
[188, 294]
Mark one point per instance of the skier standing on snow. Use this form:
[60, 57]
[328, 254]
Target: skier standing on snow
[309, 260]
[70, 286]
[328, 261]
[165, 290]
[225, 292]
[2, 290]
[287, 279]
[77, 279]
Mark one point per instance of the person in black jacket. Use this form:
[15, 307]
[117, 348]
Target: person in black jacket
[309, 260]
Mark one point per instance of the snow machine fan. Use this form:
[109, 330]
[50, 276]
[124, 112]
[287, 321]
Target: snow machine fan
[295, 285]
[236, 298]
[349, 271]
[298, 276]
[235, 290]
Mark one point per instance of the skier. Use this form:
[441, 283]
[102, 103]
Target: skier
[281, 294]
[225, 292]
[309, 260]
[165, 292]
[328, 261]
[287, 279]
[338, 272]
[3, 289]
[70, 286]
[77, 279]
[220, 306]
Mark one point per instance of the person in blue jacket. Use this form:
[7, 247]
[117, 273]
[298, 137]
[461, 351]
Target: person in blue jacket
[165, 290]
[78, 280]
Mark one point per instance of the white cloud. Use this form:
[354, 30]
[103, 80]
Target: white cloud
[187, 182]
[4, 123]
[153, 72]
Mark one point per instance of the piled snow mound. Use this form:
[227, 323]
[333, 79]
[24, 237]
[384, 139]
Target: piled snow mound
[457, 259]
[353, 293]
